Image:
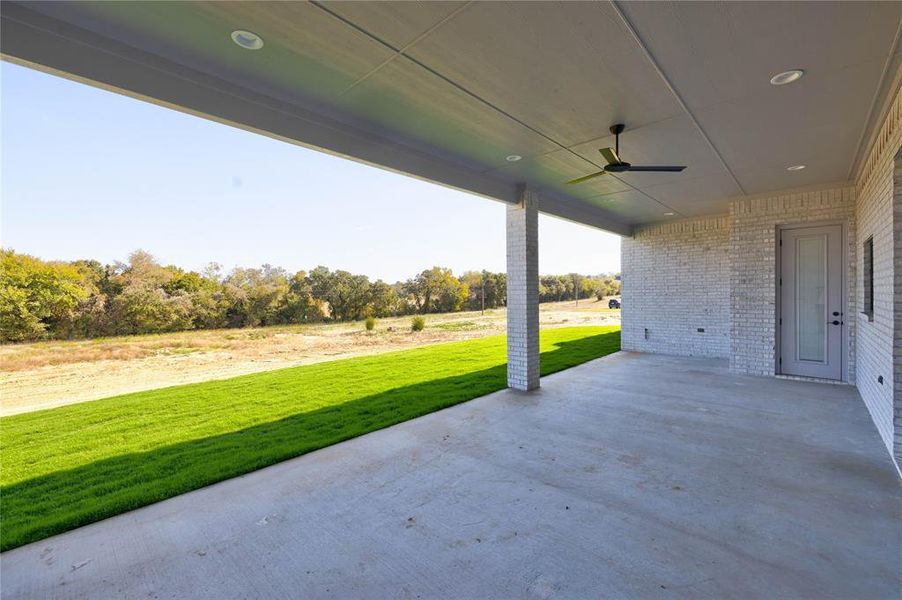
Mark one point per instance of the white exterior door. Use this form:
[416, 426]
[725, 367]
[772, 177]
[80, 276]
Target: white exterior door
[812, 315]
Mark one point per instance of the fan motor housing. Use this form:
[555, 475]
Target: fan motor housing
[618, 167]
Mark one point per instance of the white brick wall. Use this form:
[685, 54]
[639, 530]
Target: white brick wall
[676, 282]
[897, 305]
[719, 274]
[728, 267]
[880, 340]
[523, 293]
[753, 251]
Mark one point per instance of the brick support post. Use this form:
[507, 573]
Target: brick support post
[523, 292]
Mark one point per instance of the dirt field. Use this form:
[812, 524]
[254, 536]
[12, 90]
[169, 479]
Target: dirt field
[48, 374]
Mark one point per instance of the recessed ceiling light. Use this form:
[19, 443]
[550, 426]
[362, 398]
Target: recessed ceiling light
[247, 39]
[513, 158]
[787, 77]
[795, 168]
[668, 214]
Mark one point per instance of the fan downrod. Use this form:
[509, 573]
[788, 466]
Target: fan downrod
[617, 129]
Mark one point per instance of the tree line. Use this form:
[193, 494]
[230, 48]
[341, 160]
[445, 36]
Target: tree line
[84, 298]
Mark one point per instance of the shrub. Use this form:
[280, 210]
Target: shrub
[417, 324]
[370, 323]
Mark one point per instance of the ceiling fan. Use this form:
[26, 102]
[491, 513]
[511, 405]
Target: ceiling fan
[616, 165]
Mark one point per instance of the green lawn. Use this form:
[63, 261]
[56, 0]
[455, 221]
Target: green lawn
[73, 465]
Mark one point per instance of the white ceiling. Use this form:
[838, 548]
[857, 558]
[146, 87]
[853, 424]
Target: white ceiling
[447, 90]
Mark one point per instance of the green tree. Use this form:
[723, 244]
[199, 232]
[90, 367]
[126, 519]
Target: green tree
[143, 305]
[437, 290]
[150, 310]
[609, 286]
[486, 289]
[255, 296]
[300, 306]
[41, 299]
[495, 289]
[36, 296]
[556, 288]
[590, 287]
[90, 317]
[384, 300]
[347, 295]
[474, 281]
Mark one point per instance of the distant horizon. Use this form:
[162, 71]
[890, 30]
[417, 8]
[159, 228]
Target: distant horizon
[226, 270]
[90, 174]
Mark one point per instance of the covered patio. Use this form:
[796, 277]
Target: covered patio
[697, 469]
[635, 475]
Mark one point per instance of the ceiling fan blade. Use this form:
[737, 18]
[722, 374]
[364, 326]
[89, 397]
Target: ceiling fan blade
[660, 169]
[585, 178]
[610, 156]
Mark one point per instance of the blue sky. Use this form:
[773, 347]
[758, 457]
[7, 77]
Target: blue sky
[91, 174]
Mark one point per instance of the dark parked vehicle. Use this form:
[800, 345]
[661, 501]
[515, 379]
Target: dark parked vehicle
[613, 303]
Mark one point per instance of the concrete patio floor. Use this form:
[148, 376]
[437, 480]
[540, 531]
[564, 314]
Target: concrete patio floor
[632, 476]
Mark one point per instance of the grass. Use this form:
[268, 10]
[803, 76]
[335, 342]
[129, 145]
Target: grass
[73, 465]
[458, 326]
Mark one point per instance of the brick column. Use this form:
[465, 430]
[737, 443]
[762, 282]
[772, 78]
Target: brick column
[523, 292]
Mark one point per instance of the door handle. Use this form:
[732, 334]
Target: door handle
[835, 314]
[834, 323]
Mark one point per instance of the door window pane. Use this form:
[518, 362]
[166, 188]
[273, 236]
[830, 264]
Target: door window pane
[811, 291]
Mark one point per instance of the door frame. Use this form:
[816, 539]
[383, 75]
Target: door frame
[844, 278]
